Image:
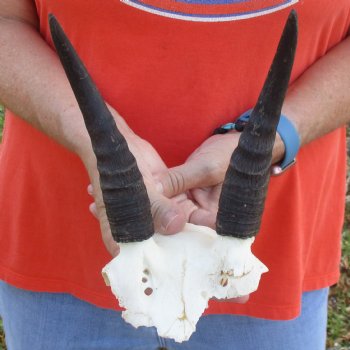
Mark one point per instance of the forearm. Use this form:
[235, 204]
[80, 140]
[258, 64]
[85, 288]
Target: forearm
[319, 101]
[33, 84]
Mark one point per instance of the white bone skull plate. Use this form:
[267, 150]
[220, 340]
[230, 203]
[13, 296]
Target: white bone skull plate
[167, 281]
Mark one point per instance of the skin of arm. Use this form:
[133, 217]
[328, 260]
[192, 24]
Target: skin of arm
[317, 103]
[33, 85]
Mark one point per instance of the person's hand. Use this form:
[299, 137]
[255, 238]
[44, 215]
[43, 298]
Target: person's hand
[203, 173]
[169, 215]
[201, 176]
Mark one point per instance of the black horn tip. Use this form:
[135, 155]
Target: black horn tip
[52, 18]
[292, 22]
[293, 15]
[293, 18]
[53, 23]
[58, 35]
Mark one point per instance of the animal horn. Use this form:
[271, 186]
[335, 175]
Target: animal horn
[244, 189]
[124, 192]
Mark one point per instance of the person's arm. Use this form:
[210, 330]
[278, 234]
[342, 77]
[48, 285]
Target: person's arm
[33, 85]
[32, 81]
[317, 103]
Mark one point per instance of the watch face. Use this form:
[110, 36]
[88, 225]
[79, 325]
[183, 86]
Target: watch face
[278, 169]
[210, 10]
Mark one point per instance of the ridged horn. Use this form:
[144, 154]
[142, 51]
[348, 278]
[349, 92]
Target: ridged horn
[124, 192]
[244, 189]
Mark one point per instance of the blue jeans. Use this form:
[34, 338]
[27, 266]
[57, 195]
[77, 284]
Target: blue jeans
[55, 321]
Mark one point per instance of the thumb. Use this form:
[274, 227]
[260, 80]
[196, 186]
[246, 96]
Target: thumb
[168, 217]
[192, 174]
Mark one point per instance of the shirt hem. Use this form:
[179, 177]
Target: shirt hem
[264, 311]
[35, 284]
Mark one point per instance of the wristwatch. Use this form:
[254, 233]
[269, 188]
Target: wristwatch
[291, 140]
[285, 129]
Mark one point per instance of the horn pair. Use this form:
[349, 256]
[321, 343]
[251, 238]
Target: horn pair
[125, 196]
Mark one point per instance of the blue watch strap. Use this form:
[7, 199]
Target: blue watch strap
[285, 129]
[291, 140]
[289, 136]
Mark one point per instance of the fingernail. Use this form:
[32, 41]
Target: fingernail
[90, 190]
[159, 187]
[115, 251]
[168, 218]
[93, 209]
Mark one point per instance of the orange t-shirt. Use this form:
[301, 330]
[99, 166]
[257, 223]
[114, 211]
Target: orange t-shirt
[175, 72]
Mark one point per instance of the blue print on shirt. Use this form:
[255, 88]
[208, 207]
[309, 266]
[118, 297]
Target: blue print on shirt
[212, 2]
[210, 10]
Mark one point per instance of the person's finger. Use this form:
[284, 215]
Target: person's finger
[107, 238]
[168, 216]
[93, 210]
[90, 190]
[186, 204]
[203, 217]
[192, 174]
[239, 300]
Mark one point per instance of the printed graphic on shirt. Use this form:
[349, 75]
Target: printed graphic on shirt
[210, 10]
